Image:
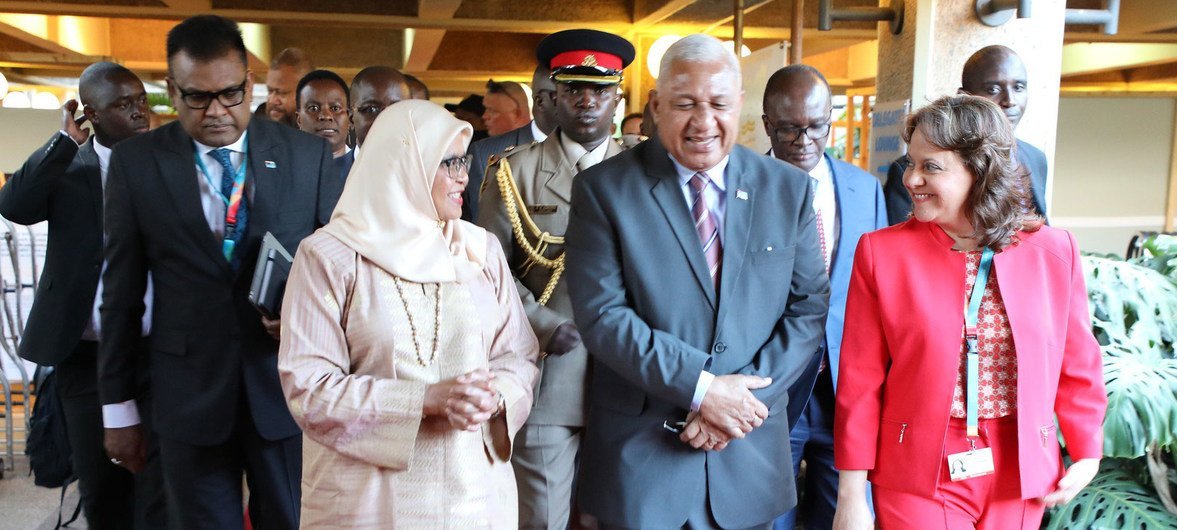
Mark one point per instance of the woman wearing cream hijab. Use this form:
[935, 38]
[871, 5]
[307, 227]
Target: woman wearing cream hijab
[406, 356]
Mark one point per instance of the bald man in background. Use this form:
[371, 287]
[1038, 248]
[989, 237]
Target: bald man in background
[373, 90]
[287, 68]
[847, 203]
[62, 183]
[995, 73]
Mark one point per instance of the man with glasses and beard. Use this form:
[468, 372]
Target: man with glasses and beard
[189, 203]
[525, 203]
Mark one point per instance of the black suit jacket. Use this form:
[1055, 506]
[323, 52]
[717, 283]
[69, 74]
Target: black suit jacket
[482, 150]
[1030, 157]
[60, 183]
[208, 348]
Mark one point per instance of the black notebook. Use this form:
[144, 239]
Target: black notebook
[269, 277]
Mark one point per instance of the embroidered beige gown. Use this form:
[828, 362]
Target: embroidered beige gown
[355, 382]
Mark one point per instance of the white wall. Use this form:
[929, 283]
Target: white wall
[1111, 168]
[22, 131]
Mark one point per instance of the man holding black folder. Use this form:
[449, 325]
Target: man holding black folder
[189, 203]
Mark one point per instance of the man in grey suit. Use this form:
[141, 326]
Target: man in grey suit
[547, 447]
[543, 112]
[698, 287]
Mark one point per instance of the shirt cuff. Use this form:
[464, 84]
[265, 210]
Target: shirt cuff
[71, 138]
[119, 415]
[701, 387]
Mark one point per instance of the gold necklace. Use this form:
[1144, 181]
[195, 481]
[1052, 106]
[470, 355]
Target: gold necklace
[413, 324]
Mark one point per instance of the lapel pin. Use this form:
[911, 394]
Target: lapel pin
[270, 164]
[742, 195]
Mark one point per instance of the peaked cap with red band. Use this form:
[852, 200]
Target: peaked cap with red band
[585, 56]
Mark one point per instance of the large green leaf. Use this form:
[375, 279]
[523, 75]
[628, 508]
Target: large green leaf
[1133, 308]
[1113, 501]
[1142, 404]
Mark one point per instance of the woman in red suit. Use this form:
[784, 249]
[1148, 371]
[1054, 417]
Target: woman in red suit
[948, 395]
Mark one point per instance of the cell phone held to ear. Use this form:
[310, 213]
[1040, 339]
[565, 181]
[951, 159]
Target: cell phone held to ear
[269, 277]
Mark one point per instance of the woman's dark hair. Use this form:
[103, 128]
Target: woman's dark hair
[998, 205]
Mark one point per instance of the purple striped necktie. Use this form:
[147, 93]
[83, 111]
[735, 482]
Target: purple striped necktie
[706, 228]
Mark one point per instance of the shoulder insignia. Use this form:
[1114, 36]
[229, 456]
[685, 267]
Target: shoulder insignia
[509, 147]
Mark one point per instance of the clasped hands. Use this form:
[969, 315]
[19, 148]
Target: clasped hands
[467, 401]
[728, 412]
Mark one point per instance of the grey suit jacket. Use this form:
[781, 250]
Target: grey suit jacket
[1030, 157]
[60, 183]
[482, 150]
[544, 177]
[652, 321]
[208, 349]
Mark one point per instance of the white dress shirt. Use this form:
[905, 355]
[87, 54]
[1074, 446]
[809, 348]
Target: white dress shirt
[715, 198]
[825, 204]
[537, 134]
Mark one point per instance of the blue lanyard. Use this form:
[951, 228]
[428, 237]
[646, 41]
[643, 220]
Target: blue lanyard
[970, 334]
[232, 202]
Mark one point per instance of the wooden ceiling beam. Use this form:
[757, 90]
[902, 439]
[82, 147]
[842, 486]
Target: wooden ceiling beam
[45, 44]
[667, 10]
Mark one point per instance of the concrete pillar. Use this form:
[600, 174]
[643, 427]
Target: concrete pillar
[924, 61]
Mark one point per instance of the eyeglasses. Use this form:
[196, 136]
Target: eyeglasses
[456, 165]
[229, 97]
[788, 135]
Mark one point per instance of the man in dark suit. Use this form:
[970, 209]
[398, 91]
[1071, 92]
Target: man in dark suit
[324, 109]
[698, 287]
[543, 112]
[189, 203]
[848, 202]
[997, 74]
[62, 183]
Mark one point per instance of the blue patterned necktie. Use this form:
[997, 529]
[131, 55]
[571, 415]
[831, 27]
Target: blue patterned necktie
[227, 177]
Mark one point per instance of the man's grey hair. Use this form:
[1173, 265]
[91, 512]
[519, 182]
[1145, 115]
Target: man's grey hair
[697, 48]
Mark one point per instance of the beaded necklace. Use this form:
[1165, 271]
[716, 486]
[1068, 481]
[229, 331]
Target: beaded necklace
[413, 323]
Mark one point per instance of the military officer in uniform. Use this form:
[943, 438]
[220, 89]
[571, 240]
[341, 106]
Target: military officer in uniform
[524, 201]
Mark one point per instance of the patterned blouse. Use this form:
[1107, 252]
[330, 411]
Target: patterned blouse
[998, 374]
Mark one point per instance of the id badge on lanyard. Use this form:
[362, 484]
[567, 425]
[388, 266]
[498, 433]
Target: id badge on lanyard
[974, 462]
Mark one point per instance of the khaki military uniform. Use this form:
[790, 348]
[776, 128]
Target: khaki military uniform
[546, 448]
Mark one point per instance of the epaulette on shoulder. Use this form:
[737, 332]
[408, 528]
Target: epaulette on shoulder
[510, 150]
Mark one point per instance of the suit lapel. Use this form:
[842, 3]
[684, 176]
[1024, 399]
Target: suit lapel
[844, 193]
[93, 171]
[268, 175]
[669, 197]
[177, 165]
[737, 223]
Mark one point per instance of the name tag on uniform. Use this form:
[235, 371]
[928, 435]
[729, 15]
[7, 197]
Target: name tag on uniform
[969, 464]
[541, 209]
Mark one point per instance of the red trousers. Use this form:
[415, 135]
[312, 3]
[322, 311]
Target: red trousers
[990, 502]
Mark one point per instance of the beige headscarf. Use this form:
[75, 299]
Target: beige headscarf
[386, 211]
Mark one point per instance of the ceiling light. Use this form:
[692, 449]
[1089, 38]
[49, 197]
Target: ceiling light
[657, 50]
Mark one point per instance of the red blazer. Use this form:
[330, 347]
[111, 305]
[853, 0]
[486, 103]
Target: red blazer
[901, 355]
